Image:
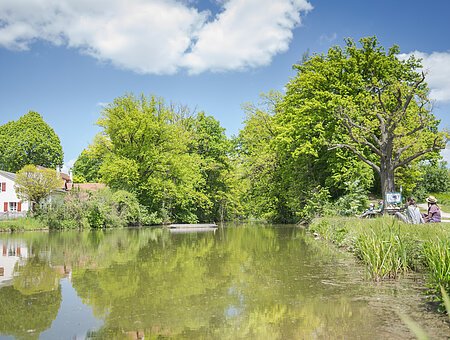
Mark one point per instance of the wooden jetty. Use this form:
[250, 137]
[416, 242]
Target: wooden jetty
[187, 225]
[192, 228]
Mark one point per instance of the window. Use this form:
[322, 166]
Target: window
[12, 206]
[3, 186]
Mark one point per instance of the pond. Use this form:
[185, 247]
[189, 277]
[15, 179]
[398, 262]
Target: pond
[239, 282]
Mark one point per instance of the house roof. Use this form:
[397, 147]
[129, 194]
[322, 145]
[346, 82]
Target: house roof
[8, 175]
[65, 177]
[89, 186]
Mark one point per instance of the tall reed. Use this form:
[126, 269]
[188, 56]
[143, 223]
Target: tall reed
[437, 258]
[389, 248]
[385, 252]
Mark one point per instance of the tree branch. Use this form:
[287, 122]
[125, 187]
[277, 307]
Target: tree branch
[408, 99]
[409, 159]
[357, 153]
[349, 123]
[413, 91]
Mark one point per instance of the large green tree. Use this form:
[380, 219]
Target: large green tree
[149, 156]
[87, 166]
[35, 184]
[213, 147]
[263, 176]
[29, 140]
[358, 107]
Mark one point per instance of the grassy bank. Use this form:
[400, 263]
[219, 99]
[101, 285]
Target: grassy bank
[22, 224]
[390, 248]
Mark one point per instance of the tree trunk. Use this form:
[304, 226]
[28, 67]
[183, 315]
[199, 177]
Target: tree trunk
[387, 177]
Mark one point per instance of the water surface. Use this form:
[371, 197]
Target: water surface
[241, 282]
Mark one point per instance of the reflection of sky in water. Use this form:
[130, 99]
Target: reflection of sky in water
[74, 318]
[232, 310]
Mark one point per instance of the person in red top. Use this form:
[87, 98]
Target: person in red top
[434, 212]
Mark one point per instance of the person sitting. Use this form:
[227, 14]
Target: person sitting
[380, 207]
[434, 212]
[412, 213]
[369, 212]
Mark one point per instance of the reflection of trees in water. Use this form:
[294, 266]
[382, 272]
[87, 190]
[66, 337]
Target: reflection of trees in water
[35, 276]
[239, 284]
[26, 315]
[29, 306]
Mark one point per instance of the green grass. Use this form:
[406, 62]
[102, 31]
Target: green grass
[21, 224]
[388, 248]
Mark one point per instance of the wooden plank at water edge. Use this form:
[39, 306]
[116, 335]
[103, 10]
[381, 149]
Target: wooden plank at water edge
[193, 226]
[192, 230]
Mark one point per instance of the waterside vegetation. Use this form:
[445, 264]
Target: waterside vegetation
[389, 248]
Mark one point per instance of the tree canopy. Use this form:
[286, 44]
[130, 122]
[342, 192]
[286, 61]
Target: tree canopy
[354, 120]
[175, 162]
[29, 140]
[35, 184]
[357, 109]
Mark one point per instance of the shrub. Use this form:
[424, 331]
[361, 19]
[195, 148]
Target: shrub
[353, 202]
[100, 209]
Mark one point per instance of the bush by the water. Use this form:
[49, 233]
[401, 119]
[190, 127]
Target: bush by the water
[100, 209]
[389, 248]
[21, 224]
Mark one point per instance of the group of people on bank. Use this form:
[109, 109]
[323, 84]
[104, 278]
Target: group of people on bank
[412, 213]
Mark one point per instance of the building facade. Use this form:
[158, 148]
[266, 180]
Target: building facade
[10, 205]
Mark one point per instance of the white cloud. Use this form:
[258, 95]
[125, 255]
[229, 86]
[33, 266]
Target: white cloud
[156, 36]
[246, 34]
[437, 68]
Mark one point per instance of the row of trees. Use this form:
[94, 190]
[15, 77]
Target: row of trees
[178, 164]
[351, 121]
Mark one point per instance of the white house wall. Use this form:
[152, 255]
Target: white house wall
[10, 194]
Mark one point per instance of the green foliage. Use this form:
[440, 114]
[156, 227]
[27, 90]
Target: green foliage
[212, 146]
[385, 253]
[22, 224]
[318, 204]
[390, 248]
[267, 193]
[87, 166]
[436, 179]
[149, 157]
[354, 200]
[29, 140]
[343, 107]
[34, 185]
[100, 209]
[177, 165]
[437, 258]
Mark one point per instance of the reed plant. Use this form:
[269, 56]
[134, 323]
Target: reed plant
[437, 257]
[385, 252]
[390, 248]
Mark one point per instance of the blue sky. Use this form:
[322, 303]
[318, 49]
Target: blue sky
[65, 59]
